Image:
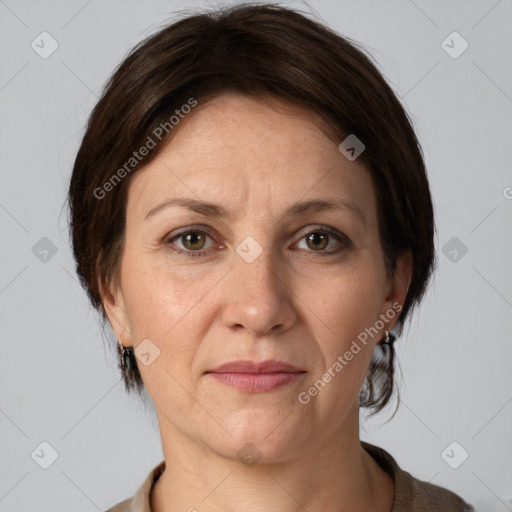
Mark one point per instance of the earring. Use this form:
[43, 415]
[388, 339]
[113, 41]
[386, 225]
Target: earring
[388, 338]
[124, 352]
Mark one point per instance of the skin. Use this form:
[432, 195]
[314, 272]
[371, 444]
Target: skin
[256, 159]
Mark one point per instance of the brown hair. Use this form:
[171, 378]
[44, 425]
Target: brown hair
[259, 50]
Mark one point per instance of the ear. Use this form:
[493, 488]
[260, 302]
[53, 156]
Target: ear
[115, 309]
[399, 285]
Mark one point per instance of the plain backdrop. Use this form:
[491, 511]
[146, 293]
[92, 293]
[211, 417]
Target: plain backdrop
[58, 378]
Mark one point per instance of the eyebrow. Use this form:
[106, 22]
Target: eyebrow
[217, 211]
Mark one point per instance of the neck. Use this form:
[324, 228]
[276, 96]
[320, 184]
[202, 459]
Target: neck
[333, 474]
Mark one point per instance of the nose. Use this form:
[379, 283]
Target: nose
[259, 296]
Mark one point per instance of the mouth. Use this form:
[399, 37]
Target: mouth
[256, 377]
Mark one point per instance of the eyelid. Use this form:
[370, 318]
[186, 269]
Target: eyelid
[322, 228]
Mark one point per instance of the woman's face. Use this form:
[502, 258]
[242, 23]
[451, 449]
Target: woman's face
[253, 274]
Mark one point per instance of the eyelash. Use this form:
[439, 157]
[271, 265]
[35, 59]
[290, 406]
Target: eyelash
[322, 229]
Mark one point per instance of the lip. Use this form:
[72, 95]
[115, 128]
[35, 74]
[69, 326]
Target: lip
[256, 377]
[248, 366]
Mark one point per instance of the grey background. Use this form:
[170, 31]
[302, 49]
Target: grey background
[58, 382]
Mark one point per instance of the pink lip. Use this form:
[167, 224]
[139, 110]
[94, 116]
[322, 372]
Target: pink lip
[253, 377]
[247, 366]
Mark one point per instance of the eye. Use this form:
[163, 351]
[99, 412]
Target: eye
[192, 242]
[318, 240]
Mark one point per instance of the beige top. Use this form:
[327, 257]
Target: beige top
[411, 495]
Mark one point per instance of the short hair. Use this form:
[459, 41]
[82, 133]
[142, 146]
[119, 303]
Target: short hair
[257, 50]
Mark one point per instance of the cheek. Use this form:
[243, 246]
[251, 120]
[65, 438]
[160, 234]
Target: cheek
[342, 310]
[169, 307]
[158, 297]
[164, 309]
[347, 301]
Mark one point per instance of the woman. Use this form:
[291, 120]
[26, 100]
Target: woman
[250, 212]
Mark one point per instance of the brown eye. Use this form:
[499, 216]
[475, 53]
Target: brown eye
[323, 242]
[317, 241]
[189, 243]
[194, 240]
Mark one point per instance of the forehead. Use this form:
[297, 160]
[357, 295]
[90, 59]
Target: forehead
[247, 153]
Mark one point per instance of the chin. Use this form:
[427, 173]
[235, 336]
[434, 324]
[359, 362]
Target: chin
[261, 440]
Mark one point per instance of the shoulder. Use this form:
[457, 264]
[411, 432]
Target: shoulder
[413, 495]
[140, 502]
[124, 506]
[423, 496]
